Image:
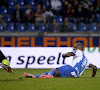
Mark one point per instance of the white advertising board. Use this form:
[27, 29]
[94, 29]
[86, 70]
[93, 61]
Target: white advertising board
[45, 57]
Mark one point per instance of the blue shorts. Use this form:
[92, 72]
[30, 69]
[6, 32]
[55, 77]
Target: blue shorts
[66, 71]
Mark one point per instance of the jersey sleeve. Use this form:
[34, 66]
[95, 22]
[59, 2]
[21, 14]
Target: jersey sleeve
[77, 53]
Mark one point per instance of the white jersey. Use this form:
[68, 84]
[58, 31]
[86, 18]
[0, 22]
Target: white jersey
[79, 62]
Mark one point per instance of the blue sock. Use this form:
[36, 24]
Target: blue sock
[36, 76]
[51, 72]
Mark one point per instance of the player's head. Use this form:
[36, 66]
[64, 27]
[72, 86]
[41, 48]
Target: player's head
[78, 46]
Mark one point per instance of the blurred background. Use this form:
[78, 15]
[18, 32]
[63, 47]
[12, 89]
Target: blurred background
[50, 16]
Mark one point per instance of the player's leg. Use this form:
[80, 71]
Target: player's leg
[2, 57]
[49, 74]
[4, 62]
[27, 75]
[52, 72]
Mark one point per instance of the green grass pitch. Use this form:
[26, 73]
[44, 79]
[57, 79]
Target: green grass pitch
[12, 82]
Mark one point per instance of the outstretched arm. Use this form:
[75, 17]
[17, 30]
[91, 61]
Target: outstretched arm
[68, 54]
[94, 69]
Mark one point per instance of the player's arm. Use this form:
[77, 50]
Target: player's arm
[94, 69]
[68, 54]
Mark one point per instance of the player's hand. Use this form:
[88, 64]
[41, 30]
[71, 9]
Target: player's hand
[63, 55]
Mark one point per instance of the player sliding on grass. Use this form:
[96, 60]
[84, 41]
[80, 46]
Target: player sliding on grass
[4, 63]
[79, 63]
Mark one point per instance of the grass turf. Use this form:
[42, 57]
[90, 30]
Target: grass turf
[12, 82]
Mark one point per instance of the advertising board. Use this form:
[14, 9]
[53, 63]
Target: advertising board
[45, 57]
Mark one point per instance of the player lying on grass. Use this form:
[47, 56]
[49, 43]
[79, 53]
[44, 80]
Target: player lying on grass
[79, 63]
[4, 63]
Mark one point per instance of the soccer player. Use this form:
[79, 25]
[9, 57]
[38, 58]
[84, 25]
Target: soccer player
[79, 63]
[4, 63]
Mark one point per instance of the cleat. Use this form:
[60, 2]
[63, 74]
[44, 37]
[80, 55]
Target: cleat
[7, 68]
[46, 76]
[26, 75]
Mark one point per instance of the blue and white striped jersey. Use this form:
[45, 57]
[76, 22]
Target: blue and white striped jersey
[79, 62]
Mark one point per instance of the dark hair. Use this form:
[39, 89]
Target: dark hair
[79, 45]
